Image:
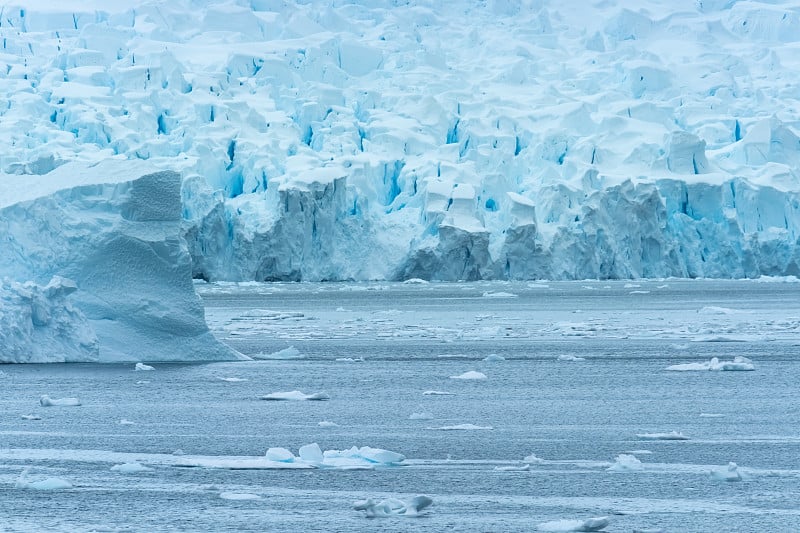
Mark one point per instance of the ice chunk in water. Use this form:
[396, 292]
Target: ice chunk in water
[296, 396]
[141, 367]
[311, 453]
[281, 455]
[592, 524]
[472, 374]
[626, 463]
[47, 401]
[130, 468]
[394, 506]
[727, 473]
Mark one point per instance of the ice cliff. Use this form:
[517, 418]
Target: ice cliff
[431, 139]
[106, 272]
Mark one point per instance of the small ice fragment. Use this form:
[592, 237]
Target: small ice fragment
[31, 417]
[437, 393]
[513, 468]
[178, 452]
[472, 374]
[130, 468]
[296, 396]
[311, 453]
[672, 435]
[280, 455]
[143, 382]
[493, 358]
[141, 367]
[570, 357]
[499, 294]
[287, 353]
[393, 506]
[415, 281]
[420, 416]
[327, 424]
[379, 455]
[739, 363]
[239, 496]
[350, 359]
[126, 422]
[639, 452]
[51, 483]
[564, 526]
[462, 427]
[532, 459]
[726, 473]
[47, 401]
[341, 309]
[626, 463]
[711, 415]
[233, 380]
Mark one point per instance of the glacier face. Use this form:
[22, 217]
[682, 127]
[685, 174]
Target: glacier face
[107, 273]
[438, 140]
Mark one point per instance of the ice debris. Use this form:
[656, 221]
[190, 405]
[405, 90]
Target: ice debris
[51, 483]
[47, 401]
[472, 374]
[141, 367]
[726, 473]
[739, 363]
[565, 526]
[130, 468]
[289, 353]
[394, 506]
[296, 396]
[626, 463]
[672, 435]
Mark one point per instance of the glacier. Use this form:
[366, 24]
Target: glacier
[506, 139]
[94, 267]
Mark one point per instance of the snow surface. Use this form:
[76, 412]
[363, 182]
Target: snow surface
[426, 140]
[95, 268]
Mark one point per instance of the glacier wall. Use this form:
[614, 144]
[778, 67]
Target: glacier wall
[442, 140]
[107, 273]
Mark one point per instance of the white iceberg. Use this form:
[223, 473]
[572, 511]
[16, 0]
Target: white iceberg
[437, 393]
[570, 357]
[47, 401]
[513, 468]
[739, 363]
[626, 463]
[420, 416]
[281, 455]
[493, 358]
[233, 380]
[239, 496]
[462, 427]
[499, 294]
[726, 473]
[141, 367]
[327, 424]
[296, 396]
[672, 435]
[51, 483]
[287, 354]
[532, 459]
[565, 526]
[472, 374]
[393, 506]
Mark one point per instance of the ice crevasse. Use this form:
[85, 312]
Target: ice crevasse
[433, 140]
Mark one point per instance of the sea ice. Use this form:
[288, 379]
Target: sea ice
[437, 393]
[311, 453]
[570, 357]
[461, 427]
[493, 358]
[296, 396]
[499, 294]
[286, 354]
[31, 417]
[726, 473]
[626, 463]
[393, 506]
[513, 468]
[51, 483]
[141, 367]
[239, 496]
[281, 455]
[327, 424]
[420, 416]
[472, 374]
[672, 435]
[739, 363]
[47, 401]
[532, 459]
[233, 380]
[563, 526]
[130, 468]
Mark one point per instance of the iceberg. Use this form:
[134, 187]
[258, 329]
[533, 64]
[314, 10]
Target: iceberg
[672, 435]
[361, 155]
[727, 473]
[591, 524]
[626, 463]
[295, 396]
[393, 506]
[470, 375]
[103, 274]
[47, 401]
[739, 363]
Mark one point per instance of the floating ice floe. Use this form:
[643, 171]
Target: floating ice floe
[513, 468]
[738, 363]
[239, 496]
[415, 281]
[393, 506]
[126, 422]
[296, 396]
[493, 358]
[626, 463]
[47, 401]
[141, 367]
[564, 526]
[672, 435]
[570, 357]
[724, 338]
[51, 483]
[130, 468]
[472, 374]
[462, 427]
[499, 294]
[327, 424]
[286, 354]
[532, 459]
[437, 393]
[420, 416]
[350, 359]
[31, 417]
[727, 473]
[233, 380]
[715, 310]
[711, 415]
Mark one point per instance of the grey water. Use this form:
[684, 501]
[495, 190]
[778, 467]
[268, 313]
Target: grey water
[375, 348]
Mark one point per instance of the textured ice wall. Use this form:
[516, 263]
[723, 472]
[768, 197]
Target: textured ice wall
[444, 140]
[113, 229]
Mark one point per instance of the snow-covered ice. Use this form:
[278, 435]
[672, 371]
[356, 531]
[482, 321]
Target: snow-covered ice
[470, 375]
[562, 526]
[296, 396]
[739, 363]
[672, 435]
[47, 401]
